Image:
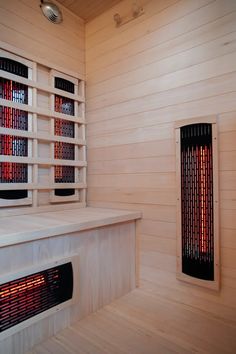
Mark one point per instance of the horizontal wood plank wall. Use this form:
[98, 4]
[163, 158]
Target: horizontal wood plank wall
[177, 61]
[23, 26]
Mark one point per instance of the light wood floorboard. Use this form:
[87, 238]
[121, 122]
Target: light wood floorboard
[144, 323]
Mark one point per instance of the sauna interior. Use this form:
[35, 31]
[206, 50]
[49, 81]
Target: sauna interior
[117, 176]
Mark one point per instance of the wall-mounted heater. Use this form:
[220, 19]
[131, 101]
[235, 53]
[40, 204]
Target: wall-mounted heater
[10, 145]
[64, 151]
[28, 295]
[197, 202]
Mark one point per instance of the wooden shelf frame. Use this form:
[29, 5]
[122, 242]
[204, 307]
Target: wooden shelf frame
[37, 162]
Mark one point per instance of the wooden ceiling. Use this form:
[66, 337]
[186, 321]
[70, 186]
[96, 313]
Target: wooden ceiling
[88, 9]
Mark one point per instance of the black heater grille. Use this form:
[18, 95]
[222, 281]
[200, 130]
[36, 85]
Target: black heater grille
[14, 119]
[197, 201]
[65, 151]
[64, 105]
[13, 91]
[64, 174]
[64, 85]
[13, 145]
[26, 297]
[64, 128]
[13, 67]
[12, 172]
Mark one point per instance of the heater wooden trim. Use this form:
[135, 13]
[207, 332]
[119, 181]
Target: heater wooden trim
[214, 284]
[25, 54]
[79, 194]
[41, 137]
[41, 111]
[39, 86]
[40, 161]
[74, 259]
[27, 199]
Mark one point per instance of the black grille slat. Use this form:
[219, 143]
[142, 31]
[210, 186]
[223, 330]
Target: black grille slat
[197, 201]
[64, 151]
[64, 174]
[13, 91]
[64, 192]
[13, 118]
[13, 145]
[13, 67]
[12, 172]
[64, 85]
[51, 288]
[64, 105]
[64, 128]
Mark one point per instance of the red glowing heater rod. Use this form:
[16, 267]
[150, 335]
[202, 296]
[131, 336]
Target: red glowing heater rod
[203, 198]
[22, 286]
[7, 139]
[58, 147]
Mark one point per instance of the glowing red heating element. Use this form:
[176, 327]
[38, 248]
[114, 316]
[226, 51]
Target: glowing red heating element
[63, 127]
[203, 197]
[14, 119]
[23, 298]
[22, 286]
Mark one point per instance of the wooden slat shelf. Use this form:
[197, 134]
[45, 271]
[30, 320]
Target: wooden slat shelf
[31, 186]
[44, 99]
[19, 229]
[40, 161]
[41, 87]
[41, 111]
[41, 136]
[41, 60]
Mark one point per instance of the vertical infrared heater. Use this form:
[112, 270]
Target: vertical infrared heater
[64, 151]
[12, 172]
[197, 202]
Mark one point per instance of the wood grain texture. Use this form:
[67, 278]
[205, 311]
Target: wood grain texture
[175, 62]
[23, 26]
[25, 228]
[88, 10]
[145, 322]
[41, 137]
[106, 272]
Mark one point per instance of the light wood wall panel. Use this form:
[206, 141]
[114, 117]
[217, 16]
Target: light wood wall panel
[23, 26]
[177, 61]
[90, 8]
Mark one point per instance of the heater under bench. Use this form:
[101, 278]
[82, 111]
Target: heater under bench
[58, 267]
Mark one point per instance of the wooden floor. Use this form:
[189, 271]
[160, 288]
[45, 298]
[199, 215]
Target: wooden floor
[143, 322]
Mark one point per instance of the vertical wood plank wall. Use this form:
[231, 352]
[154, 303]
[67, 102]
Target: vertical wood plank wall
[177, 61]
[23, 26]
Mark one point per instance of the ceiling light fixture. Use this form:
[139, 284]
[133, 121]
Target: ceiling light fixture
[51, 11]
